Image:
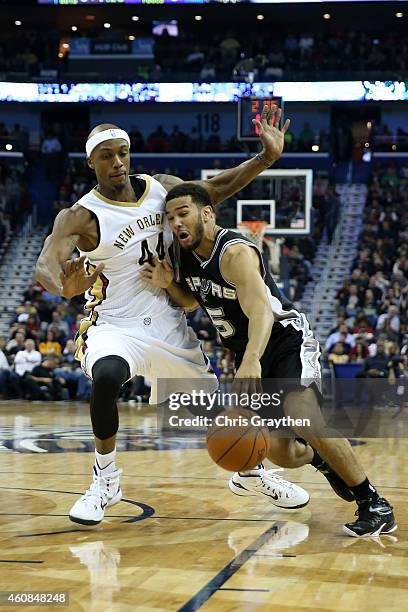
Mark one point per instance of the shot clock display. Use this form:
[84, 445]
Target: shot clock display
[251, 108]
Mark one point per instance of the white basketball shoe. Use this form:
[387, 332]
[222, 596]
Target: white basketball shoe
[104, 491]
[266, 483]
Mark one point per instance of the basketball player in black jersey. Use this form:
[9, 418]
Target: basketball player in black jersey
[223, 272]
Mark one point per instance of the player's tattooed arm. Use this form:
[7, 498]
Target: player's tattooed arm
[53, 271]
[161, 274]
[168, 180]
[237, 267]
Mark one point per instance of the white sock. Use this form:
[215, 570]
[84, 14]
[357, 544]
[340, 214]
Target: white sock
[106, 462]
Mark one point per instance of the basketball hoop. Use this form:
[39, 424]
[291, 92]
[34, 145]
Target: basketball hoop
[254, 230]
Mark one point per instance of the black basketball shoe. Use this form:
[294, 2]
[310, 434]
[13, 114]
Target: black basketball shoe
[337, 484]
[375, 517]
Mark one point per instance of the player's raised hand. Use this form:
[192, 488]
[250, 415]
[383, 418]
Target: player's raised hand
[74, 278]
[271, 133]
[159, 273]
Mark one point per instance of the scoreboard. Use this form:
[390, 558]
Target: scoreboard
[250, 108]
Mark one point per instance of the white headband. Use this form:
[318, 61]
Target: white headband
[96, 139]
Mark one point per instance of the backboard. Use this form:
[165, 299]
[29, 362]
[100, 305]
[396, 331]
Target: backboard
[282, 198]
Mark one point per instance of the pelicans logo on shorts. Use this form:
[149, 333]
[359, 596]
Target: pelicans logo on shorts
[97, 293]
[82, 334]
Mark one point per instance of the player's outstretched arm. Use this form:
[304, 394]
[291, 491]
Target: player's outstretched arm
[227, 183]
[272, 137]
[240, 266]
[161, 274]
[53, 271]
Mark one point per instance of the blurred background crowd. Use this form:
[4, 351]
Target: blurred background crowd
[182, 50]
[60, 139]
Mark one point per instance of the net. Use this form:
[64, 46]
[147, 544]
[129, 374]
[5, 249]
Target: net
[254, 230]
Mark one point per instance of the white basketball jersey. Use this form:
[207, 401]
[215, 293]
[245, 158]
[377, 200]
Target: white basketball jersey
[130, 234]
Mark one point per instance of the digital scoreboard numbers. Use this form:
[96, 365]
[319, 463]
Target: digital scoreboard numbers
[250, 108]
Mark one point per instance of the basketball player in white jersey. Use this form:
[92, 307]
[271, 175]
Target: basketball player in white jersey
[132, 328]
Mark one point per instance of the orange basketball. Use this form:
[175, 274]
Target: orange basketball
[234, 443]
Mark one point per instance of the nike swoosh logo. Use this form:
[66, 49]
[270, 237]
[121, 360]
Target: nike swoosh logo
[239, 485]
[103, 505]
[274, 496]
[380, 510]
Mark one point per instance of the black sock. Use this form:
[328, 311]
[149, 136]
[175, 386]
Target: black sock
[364, 491]
[317, 460]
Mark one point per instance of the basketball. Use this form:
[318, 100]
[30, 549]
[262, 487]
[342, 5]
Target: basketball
[234, 444]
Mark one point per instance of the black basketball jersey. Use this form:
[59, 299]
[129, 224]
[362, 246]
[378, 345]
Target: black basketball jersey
[219, 298]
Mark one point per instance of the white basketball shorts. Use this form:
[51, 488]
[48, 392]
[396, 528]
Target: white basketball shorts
[162, 348]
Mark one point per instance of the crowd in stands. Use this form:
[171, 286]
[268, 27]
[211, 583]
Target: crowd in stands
[372, 325]
[59, 139]
[178, 141]
[225, 55]
[28, 51]
[287, 56]
[15, 136]
[15, 199]
[386, 139]
[37, 359]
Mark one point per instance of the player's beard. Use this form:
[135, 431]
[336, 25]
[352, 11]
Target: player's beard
[199, 235]
[121, 186]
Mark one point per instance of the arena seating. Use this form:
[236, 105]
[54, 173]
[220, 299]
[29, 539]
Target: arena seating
[192, 56]
[372, 304]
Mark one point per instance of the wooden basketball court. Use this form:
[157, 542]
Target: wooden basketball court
[180, 540]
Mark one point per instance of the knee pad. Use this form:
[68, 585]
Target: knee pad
[108, 374]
